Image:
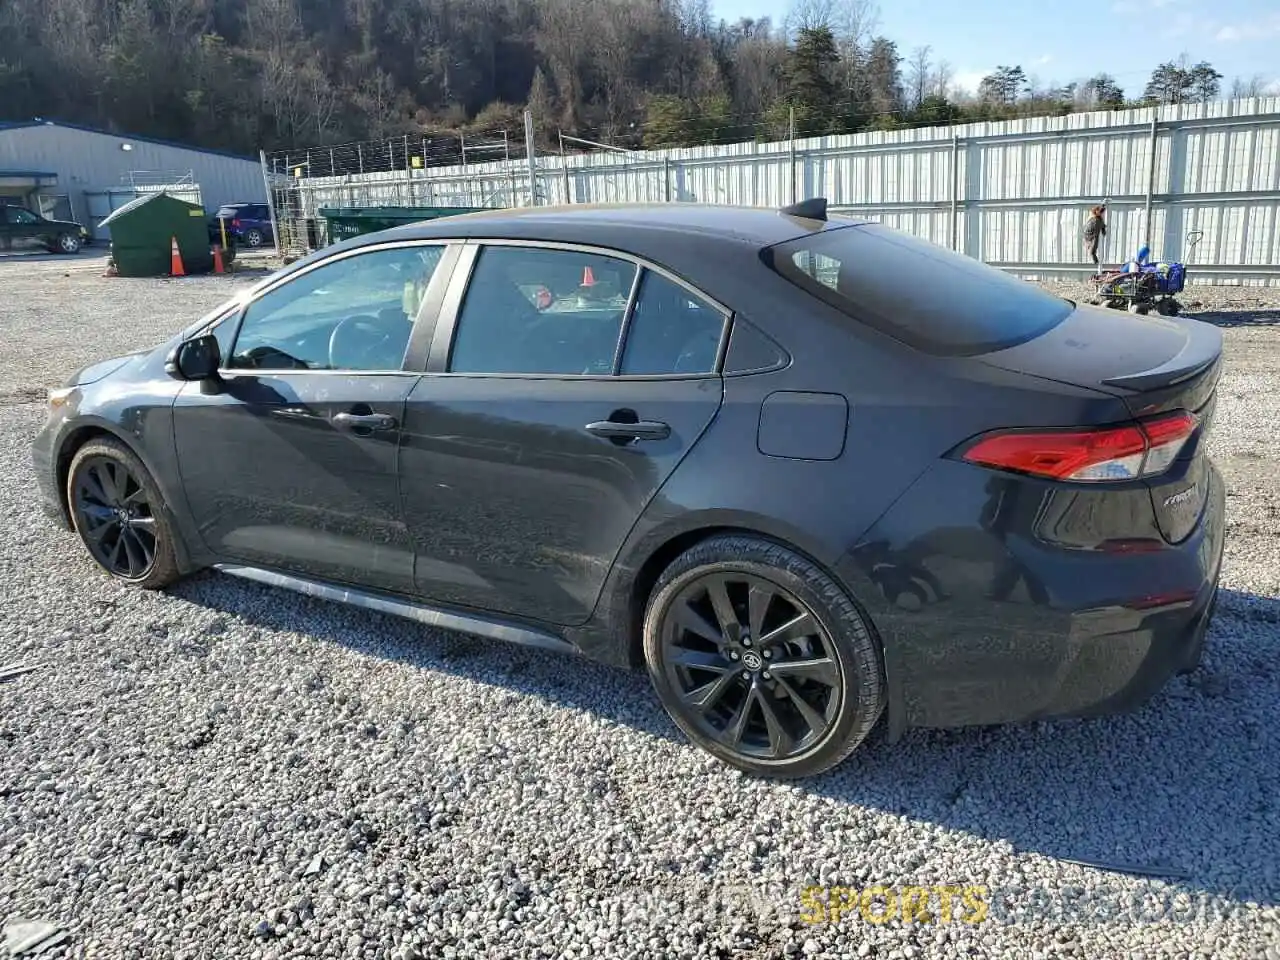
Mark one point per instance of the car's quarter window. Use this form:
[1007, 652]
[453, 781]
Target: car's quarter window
[355, 313]
[933, 299]
[671, 331]
[531, 310]
[19, 215]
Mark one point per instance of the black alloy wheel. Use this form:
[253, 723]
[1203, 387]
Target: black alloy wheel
[118, 512]
[116, 518]
[754, 665]
[767, 665]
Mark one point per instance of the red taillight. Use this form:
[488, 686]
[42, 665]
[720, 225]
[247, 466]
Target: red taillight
[1114, 453]
[235, 224]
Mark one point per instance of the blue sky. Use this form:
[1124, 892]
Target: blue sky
[1061, 42]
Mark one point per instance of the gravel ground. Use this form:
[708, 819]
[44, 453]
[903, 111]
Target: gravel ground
[225, 770]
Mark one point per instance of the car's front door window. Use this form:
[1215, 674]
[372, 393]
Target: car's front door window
[354, 314]
[536, 311]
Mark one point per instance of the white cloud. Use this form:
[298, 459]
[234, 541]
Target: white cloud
[1258, 30]
[1042, 61]
[1273, 88]
[968, 80]
[1181, 25]
[1135, 6]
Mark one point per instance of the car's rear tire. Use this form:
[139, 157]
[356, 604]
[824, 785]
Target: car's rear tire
[253, 238]
[761, 658]
[67, 243]
[120, 516]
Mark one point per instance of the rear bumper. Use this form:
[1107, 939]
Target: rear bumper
[1002, 629]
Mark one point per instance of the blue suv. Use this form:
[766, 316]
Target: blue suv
[248, 224]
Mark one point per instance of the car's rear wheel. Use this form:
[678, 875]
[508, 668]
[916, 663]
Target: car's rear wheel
[68, 243]
[253, 238]
[119, 513]
[761, 658]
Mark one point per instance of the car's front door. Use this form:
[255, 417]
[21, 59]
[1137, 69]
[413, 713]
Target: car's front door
[290, 462]
[563, 388]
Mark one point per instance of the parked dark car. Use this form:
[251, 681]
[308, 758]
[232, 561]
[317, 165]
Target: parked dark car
[20, 227]
[813, 473]
[247, 224]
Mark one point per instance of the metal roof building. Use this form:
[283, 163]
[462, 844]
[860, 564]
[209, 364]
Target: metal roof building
[79, 173]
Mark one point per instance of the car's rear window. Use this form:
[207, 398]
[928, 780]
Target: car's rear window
[937, 301]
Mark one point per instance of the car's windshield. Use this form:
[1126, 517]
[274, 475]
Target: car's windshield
[937, 301]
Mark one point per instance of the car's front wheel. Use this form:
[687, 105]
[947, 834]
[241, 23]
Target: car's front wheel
[68, 243]
[119, 513]
[761, 658]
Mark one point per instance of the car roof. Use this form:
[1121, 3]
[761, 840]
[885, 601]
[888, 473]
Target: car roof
[637, 228]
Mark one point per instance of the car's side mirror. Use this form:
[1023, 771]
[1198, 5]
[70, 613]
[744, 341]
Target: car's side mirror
[196, 359]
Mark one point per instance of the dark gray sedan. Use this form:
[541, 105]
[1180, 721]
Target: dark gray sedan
[814, 474]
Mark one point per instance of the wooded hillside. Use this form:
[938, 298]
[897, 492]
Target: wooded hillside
[244, 74]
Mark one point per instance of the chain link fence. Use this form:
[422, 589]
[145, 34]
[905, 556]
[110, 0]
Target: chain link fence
[1014, 193]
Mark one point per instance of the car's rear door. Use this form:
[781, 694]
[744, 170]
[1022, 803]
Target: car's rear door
[290, 462]
[564, 386]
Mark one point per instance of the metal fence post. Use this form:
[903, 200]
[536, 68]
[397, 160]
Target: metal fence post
[1151, 175]
[955, 190]
[791, 138]
[531, 156]
[666, 179]
[271, 200]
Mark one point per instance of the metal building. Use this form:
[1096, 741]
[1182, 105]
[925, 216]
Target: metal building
[71, 172]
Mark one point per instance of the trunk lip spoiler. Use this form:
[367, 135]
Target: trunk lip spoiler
[1200, 337]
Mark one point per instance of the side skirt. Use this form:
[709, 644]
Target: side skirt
[432, 617]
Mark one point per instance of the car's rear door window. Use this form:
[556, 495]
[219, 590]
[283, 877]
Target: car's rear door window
[672, 331]
[933, 299]
[532, 310]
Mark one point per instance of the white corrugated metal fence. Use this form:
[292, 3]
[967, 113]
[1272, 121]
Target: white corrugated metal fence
[1012, 193]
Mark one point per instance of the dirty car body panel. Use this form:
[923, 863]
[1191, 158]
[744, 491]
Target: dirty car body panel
[897, 438]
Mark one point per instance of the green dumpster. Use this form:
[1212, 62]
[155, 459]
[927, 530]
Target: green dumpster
[347, 222]
[143, 231]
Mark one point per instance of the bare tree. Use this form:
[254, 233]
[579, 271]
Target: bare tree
[1254, 86]
[810, 15]
[854, 22]
[940, 80]
[919, 72]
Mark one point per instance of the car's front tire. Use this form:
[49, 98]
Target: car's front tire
[120, 516]
[761, 658]
[67, 243]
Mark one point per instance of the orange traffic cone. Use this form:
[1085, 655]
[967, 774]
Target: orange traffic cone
[175, 259]
[217, 260]
[588, 278]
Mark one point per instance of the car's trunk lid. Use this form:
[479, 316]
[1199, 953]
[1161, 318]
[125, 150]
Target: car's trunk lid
[1155, 365]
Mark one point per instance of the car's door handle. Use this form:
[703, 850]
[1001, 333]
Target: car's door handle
[364, 421]
[295, 413]
[641, 430]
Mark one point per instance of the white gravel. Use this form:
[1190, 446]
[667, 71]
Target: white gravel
[181, 759]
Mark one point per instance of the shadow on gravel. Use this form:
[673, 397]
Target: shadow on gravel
[1188, 781]
[1239, 318]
